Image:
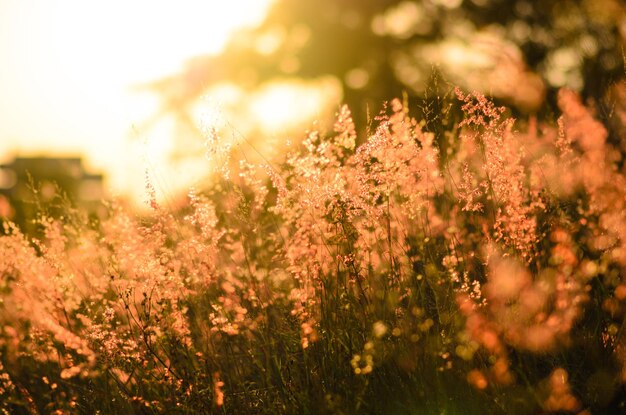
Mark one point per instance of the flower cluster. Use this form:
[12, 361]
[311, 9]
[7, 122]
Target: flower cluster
[360, 267]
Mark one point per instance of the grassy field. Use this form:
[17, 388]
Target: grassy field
[477, 269]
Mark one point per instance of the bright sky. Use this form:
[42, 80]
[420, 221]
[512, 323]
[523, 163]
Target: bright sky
[66, 68]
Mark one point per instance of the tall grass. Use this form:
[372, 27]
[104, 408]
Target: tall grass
[479, 272]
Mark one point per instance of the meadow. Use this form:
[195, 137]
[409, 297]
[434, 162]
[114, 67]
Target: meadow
[471, 267]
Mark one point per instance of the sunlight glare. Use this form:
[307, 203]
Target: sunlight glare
[73, 65]
[287, 104]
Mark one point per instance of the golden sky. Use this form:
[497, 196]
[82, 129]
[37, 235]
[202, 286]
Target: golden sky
[67, 68]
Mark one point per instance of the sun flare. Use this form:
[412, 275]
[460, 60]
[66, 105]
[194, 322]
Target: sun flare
[73, 65]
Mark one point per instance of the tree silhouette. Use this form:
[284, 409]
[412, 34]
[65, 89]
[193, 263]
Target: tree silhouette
[518, 51]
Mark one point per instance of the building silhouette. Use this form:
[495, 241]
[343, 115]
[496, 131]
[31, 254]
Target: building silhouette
[33, 184]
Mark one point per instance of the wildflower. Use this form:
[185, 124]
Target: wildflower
[560, 396]
[362, 364]
[379, 329]
[218, 392]
[477, 379]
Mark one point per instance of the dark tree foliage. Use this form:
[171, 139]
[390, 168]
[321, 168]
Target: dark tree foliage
[380, 49]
